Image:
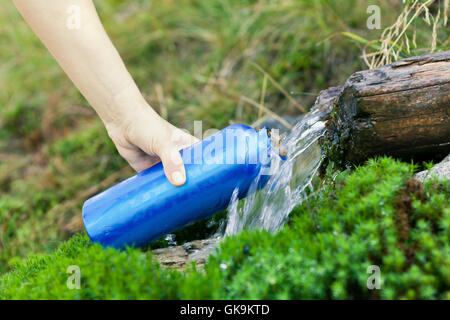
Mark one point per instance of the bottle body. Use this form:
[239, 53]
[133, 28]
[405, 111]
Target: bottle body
[146, 206]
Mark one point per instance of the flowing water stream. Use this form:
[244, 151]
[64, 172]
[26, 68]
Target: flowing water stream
[289, 184]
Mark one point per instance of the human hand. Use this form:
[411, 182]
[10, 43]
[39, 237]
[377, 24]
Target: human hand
[144, 139]
[90, 59]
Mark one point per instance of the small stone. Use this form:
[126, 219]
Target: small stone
[180, 257]
[441, 171]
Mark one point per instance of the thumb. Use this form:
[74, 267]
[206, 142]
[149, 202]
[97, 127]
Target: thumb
[173, 165]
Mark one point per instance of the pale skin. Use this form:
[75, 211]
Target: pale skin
[91, 61]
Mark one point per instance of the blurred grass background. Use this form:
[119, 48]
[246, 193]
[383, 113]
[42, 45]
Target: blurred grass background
[193, 60]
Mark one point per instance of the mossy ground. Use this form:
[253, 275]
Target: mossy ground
[54, 151]
[324, 251]
[192, 60]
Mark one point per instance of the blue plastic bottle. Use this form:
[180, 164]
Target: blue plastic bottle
[146, 206]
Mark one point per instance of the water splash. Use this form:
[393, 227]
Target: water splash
[288, 185]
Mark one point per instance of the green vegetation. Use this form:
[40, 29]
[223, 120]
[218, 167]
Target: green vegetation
[195, 60]
[421, 27]
[192, 60]
[376, 215]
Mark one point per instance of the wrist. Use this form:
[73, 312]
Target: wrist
[125, 107]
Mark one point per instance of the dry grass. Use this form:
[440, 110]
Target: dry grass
[218, 61]
[420, 28]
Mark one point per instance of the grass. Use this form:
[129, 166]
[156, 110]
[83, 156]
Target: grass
[420, 28]
[375, 215]
[193, 60]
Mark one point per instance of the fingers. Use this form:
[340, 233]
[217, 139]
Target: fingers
[183, 139]
[170, 158]
[144, 162]
[173, 165]
[159, 141]
[165, 150]
[136, 158]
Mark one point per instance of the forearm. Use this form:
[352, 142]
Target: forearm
[86, 55]
[90, 59]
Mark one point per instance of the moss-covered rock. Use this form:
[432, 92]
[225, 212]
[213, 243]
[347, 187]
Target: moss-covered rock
[376, 215]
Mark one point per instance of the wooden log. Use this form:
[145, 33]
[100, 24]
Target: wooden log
[401, 110]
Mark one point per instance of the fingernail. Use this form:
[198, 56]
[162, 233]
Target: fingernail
[178, 178]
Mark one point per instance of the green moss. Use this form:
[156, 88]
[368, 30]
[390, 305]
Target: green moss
[323, 252]
[53, 147]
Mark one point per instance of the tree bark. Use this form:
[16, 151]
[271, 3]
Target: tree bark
[400, 110]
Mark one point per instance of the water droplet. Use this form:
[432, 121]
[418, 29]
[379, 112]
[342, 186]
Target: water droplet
[223, 266]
